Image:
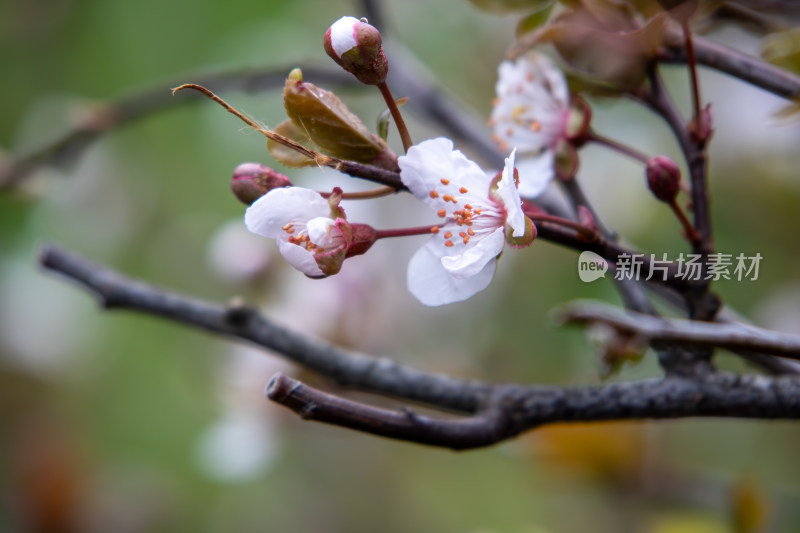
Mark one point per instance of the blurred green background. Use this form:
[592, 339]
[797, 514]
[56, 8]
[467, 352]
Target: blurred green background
[111, 421]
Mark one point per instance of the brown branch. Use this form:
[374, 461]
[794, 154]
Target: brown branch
[673, 331]
[425, 99]
[504, 410]
[702, 304]
[659, 101]
[483, 429]
[611, 251]
[516, 408]
[127, 109]
[737, 64]
[351, 369]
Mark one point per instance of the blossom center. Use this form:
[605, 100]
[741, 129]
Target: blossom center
[317, 235]
[466, 214]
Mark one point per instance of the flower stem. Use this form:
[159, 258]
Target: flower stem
[364, 195]
[614, 145]
[398, 118]
[691, 232]
[691, 61]
[538, 216]
[405, 232]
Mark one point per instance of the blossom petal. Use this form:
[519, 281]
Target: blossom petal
[556, 82]
[278, 207]
[507, 190]
[474, 258]
[300, 258]
[432, 285]
[426, 163]
[535, 173]
[319, 229]
[343, 35]
[532, 106]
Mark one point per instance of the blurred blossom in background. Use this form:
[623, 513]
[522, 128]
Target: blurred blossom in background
[112, 421]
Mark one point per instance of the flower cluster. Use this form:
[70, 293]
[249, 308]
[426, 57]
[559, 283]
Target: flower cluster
[476, 213]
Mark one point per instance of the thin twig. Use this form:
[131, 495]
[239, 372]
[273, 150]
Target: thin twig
[128, 109]
[624, 149]
[737, 64]
[612, 252]
[731, 336]
[691, 62]
[480, 430]
[659, 101]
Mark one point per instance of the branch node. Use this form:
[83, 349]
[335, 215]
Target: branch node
[237, 312]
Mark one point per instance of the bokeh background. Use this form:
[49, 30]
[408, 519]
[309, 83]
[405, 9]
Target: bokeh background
[112, 421]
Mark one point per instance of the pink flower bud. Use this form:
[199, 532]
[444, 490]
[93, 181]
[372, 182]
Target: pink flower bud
[356, 46]
[663, 178]
[251, 181]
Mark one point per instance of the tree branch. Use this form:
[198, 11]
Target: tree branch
[731, 336]
[120, 112]
[483, 429]
[504, 411]
[737, 64]
[364, 372]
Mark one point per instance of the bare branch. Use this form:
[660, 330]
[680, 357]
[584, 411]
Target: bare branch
[506, 410]
[380, 375]
[480, 430]
[117, 113]
[731, 336]
[515, 409]
[739, 65]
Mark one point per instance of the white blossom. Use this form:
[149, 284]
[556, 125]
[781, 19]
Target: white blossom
[478, 215]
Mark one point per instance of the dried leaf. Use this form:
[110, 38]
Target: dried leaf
[611, 50]
[286, 155]
[325, 119]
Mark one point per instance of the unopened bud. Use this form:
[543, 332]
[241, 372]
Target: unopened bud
[663, 178]
[356, 46]
[251, 181]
